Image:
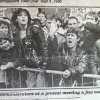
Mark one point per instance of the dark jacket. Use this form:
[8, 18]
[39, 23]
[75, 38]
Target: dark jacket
[10, 55]
[52, 46]
[34, 40]
[75, 62]
[90, 35]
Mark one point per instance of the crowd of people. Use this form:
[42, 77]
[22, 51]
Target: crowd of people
[70, 44]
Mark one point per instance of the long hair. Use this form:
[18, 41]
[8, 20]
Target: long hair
[16, 13]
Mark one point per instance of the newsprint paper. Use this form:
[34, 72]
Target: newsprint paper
[49, 49]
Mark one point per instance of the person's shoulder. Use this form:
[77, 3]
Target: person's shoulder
[35, 28]
[81, 50]
[12, 26]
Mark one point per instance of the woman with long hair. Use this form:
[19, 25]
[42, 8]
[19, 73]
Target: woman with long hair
[30, 43]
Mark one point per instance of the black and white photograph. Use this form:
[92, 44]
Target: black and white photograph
[49, 47]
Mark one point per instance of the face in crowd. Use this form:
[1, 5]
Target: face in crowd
[22, 18]
[90, 19]
[48, 23]
[4, 28]
[42, 18]
[72, 39]
[5, 44]
[72, 22]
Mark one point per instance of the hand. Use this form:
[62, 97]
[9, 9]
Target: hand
[41, 70]
[53, 29]
[81, 43]
[67, 74]
[45, 30]
[3, 67]
[21, 68]
[89, 26]
[18, 68]
[9, 65]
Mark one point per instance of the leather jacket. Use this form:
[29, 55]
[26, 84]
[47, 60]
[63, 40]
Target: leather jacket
[35, 40]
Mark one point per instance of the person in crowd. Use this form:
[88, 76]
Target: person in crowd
[66, 15]
[53, 59]
[80, 22]
[91, 35]
[4, 25]
[8, 62]
[73, 59]
[59, 25]
[60, 30]
[49, 22]
[58, 22]
[73, 22]
[91, 41]
[90, 24]
[30, 43]
[43, 18]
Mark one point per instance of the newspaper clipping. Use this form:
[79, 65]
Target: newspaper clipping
[49, 50]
